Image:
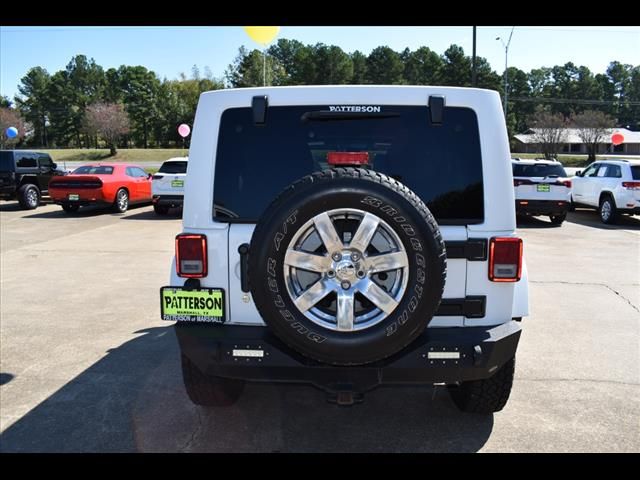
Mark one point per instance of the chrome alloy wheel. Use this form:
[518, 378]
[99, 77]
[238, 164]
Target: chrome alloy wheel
[346, 269]
[32, 197]
[123, 200]
[605, 211]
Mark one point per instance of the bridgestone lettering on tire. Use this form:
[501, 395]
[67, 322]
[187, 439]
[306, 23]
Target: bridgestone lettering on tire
[347, 266]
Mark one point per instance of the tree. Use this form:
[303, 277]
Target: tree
[384, 67]
[423, 67]
[634, 96]
[593, 127]
[10, 118]
[486, 76]
[295, 58]
[62, 111]
[549, 131]
[247, 70]
[359, 61]
[33, 101]
[518, 110]
[5, 102]
[456, 70]
[620, 76]
[333, 66]
[139, 88]
[108, 120]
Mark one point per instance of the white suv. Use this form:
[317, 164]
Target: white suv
[611, 186]
[167, 186]
[347, 237]
[541, 188]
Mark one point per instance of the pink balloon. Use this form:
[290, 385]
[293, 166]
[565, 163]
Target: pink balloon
[184, 130]
[617, 138]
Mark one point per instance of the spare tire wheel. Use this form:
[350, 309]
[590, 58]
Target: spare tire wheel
[347, 266]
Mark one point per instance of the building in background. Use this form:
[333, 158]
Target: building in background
[526, 143]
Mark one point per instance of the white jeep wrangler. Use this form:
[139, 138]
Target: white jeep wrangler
[348, 237]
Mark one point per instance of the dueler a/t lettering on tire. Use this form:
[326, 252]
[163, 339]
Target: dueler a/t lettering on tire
[347, 266]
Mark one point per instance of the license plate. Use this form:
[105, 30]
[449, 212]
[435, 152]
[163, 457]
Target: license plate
[74, 196]
[544, 187]
[198, 305]
[177, 183]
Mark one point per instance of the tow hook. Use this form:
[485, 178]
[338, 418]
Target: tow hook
[345, 398]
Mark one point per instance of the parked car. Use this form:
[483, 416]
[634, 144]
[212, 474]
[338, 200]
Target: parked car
[167, 185]
[25, 175]
[610, 186]
[313, 244]
[110, 184]
[542, 187]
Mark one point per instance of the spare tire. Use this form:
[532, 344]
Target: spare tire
[347, 266]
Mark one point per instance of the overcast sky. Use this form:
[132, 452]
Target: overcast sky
[171, 50]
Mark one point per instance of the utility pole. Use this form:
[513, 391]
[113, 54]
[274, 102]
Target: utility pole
[506, 81]
[474, 77]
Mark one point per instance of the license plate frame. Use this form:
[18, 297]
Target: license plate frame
[73, 197]
[543, 188]
[183, 310]
[177, 183]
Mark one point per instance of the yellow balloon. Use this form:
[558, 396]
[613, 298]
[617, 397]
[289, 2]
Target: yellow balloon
[262, 35]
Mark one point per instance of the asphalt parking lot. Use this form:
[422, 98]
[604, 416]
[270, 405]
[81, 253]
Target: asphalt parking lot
[86, 364]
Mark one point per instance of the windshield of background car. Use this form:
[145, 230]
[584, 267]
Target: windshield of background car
[6, 162]
[635, 172]
[538, 170]
[173, 167]
[93, 170]
[442, 164]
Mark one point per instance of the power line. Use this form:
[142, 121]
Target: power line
[574, 100]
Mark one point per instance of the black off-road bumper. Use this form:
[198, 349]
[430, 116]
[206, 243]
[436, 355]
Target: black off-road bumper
[253, 353]
[171, 201]
[542, 207]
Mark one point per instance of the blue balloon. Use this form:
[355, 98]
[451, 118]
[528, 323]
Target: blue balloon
[11, 132]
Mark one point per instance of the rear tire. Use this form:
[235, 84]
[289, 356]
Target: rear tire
[607, 210]
[485, 396]
[121, 203]
[28, 196]
[558, 219]
[207, 390]
[161, 209]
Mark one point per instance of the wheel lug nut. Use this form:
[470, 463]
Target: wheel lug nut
[331, 274]
[355, 257]
[336, 257]
[346, 285]
[360, 274]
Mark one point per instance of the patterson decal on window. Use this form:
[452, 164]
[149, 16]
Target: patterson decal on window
[355, 108]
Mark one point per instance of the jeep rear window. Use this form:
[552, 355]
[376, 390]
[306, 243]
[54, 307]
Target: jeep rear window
[440, 163]
[173, 167]
[635, 172]
[538, 170]
[6, 162]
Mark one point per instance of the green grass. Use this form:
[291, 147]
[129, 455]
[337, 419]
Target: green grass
[132, 155]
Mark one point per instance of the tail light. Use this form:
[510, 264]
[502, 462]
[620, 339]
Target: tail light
[518, 181]
[505, 259]
[157, 177]
[631, 185]
[191, 255]
[564, 183]
[348, 158]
